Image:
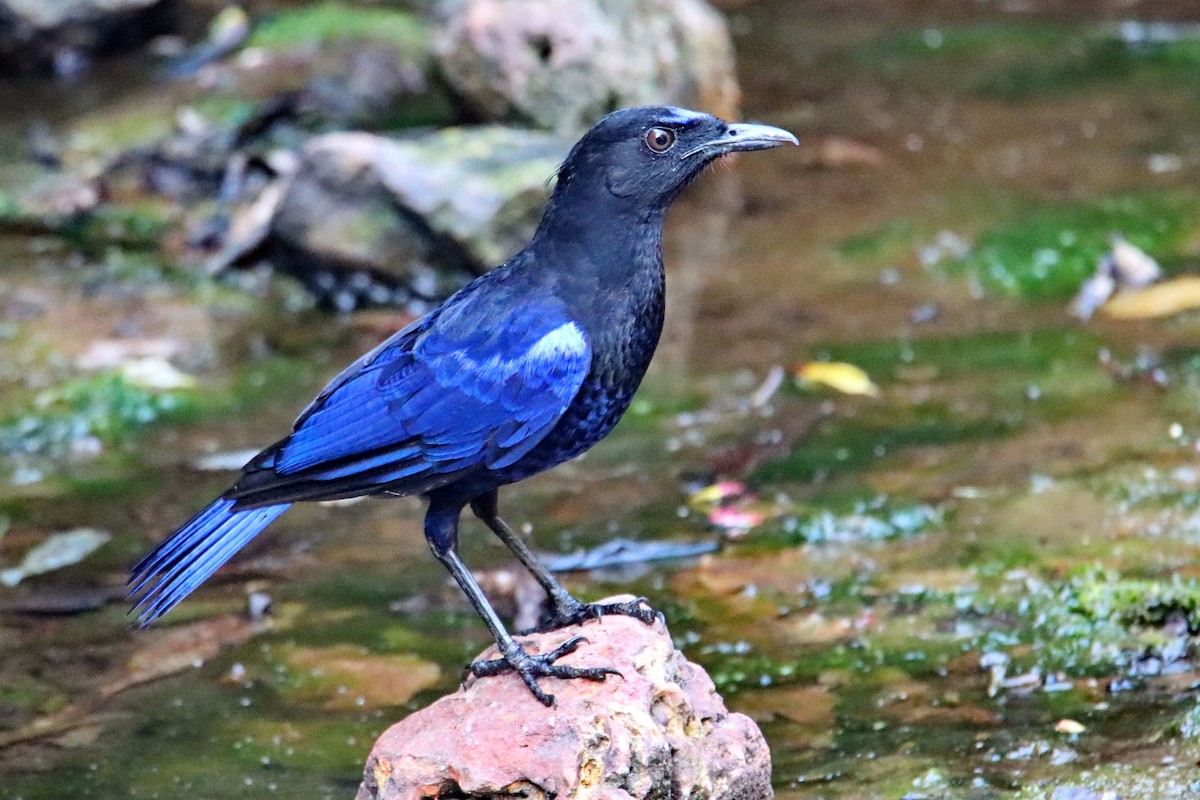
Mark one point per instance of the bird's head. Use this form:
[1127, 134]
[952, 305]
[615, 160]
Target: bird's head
[646, 155]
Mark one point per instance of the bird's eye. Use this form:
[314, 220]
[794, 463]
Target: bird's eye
[660, 140]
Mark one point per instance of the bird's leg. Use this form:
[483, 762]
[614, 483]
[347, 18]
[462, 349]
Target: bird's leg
[565, 610]
[441, 530]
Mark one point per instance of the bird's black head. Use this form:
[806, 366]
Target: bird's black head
[646, 155]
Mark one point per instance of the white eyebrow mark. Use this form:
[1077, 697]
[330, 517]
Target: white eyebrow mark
[682, 116]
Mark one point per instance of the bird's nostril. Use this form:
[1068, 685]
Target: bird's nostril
[732, 132]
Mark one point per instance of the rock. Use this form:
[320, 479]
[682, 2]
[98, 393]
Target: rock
[45, 200]
[370, 219]
[660, 725]
[357, 66]
[1074, 793]
[562, 64]
[60, 35]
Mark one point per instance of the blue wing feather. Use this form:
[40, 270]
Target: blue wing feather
[478, 383]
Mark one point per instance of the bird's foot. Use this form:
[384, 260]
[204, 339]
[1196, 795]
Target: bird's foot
[572, 612]
[532, 667]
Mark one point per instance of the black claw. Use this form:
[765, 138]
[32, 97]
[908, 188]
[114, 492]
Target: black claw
[532, 667]
[566, 615]
[569, 646]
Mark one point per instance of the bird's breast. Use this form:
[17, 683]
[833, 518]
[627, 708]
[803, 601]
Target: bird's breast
[623, 338]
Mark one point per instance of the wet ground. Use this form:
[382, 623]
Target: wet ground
[980, 584]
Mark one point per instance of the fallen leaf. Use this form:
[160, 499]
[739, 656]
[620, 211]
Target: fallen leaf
[1131, 266]
[839, 153]
[346, 678]
[60, 550]
[735, 522]
[716, 493]
[810, 706]
[166, 653]
[1161, 300]
[111, 353]
[816, 628]
[1093, 294]
[845, 378]
[1070, 727]
[911, 702]
[185, 647]
[156, 374]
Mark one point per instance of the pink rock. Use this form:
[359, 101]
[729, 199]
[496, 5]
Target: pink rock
[660, 725]
[563, 64]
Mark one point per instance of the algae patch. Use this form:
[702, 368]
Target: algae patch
[1047, 251]
[80, 415]
[317, 24]
[1096, 623]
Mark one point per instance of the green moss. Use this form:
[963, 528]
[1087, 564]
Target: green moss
[10, 209]
[877, 519]
[1097, 62]
[1029, 60]
[889, 240]
[131, 226]
[972, 41]
[315, 24]
[1101, 595]
[1095, 623]
[224, 109]
[1037, 352]
[120, 127]
[1188, 724]
[137, 226]
[844, 445]
[23, 695]
[106, 406]
[1050, 249]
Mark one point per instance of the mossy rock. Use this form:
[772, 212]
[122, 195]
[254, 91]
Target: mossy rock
[321, 23]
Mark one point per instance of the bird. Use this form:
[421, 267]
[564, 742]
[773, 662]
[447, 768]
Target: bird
[522, 369]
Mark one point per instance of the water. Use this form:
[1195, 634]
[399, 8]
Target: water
[1042, 487]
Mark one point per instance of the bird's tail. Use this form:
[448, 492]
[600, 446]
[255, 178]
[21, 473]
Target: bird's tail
[189, 556]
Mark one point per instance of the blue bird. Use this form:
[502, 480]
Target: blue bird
[524, 368]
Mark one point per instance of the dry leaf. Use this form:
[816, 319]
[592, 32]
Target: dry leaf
[165, 653]
[810, 706]
[1070, 727]
[1161, 300]
[845, 378]
[816, 628]
[349, 678]
[176, 649]
[156, 374]
[60, 550]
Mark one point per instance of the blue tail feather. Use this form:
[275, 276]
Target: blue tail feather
[194, 552]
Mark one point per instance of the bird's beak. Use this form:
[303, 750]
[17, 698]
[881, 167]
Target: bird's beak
[740, 136]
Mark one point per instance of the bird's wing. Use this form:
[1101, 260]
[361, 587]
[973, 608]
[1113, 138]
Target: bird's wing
[477, 384]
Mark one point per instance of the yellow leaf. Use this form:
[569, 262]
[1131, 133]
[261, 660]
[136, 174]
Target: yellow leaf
[716, 493]
[846, 378]
[1160, 300]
